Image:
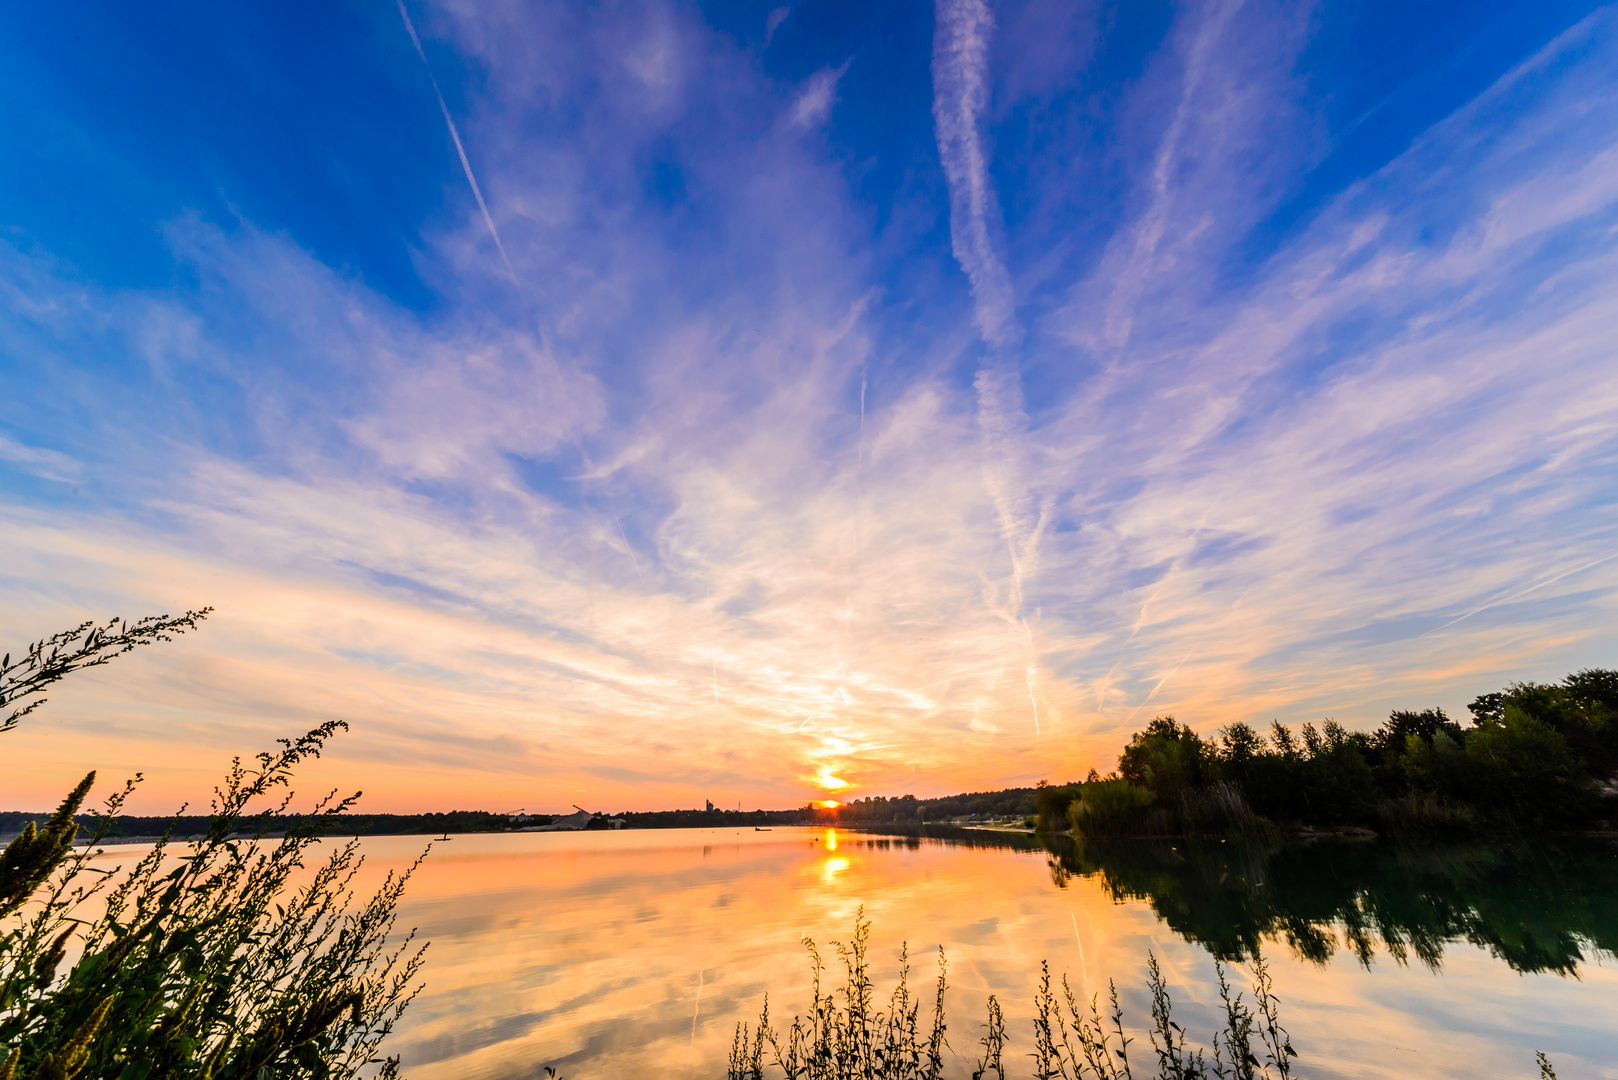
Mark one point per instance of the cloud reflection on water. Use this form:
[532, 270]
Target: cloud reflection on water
[584, 952]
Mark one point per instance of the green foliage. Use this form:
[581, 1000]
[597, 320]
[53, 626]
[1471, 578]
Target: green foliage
[1522, 764]
[1536, 755]
[207, 961]
[1166, 758]
[1113, 808]
[1051, 804]
[1391, 738]
[30, 858]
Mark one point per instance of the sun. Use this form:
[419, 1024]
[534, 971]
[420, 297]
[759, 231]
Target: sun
[830, 804]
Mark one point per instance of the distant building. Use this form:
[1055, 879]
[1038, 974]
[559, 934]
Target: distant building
[571, 823]
[710, 806]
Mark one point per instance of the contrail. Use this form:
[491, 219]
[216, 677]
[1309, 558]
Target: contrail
[1101, 695]
[697, 1008]
[963, 29]
[466, 165]
[1119, 321]
[716, 682]
[1029, 675]
[963, 32]
[1084, 968]
[1525, 592]
[488, 219]
[630, 548]
[1158, 687]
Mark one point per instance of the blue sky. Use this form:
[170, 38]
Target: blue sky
[824, 398]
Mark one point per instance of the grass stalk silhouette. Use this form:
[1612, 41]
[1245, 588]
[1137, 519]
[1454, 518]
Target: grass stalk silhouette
[848, 1035]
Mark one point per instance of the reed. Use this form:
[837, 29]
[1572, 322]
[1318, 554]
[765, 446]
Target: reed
[848, 1036]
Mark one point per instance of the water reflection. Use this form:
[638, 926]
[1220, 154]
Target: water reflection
[1539, 907]
[1544, 907]
[627, 954]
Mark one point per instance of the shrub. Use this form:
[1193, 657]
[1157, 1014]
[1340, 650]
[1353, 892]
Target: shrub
[1051, 804]
[1115, 808]
[1419, 814]
[1219, 809]
[204, 961]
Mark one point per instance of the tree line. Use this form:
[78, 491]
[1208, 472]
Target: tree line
[1533, 755]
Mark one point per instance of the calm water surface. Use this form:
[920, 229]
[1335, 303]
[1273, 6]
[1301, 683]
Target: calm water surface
[628, 954]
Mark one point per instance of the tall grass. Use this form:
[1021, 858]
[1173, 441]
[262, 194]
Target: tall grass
[847, 1035]
[853, 1036]
[203, 961]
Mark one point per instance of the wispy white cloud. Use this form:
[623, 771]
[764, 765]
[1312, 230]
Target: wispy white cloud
[814, 104]
[1143, 240]
[962, 35]
[46, 464]
[710, 521]
[773, 22]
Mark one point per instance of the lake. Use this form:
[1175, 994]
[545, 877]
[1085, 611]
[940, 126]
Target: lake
[632, 953]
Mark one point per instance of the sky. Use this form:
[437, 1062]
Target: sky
[638, 403]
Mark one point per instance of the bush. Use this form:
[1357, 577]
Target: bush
[202, 962]
[1422, 814]
[1051, 804]
[1219, 809]
[1115, 808]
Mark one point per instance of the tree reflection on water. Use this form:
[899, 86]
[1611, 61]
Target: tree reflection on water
[1539, 907]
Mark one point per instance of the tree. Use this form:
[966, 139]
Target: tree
[1522, 765]
[1051, 803]
[1166, 758]
[1388, 741]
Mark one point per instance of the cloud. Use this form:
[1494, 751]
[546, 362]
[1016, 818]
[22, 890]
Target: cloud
[43, 463]
[714, 441]
[963, 32]
[814, 104]
[773, 23]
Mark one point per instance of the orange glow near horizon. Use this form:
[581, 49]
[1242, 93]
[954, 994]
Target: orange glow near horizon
[658, 907]
[826, 780]
[830, 804]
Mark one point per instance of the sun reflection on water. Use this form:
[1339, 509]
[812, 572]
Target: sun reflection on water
[611, 936]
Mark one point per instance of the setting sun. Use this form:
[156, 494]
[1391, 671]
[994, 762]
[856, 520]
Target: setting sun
[829, 804]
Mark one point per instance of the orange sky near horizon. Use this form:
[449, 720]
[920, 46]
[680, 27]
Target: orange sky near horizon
[769, 405]
[451, 712]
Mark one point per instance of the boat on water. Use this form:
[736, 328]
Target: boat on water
[758, 829]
